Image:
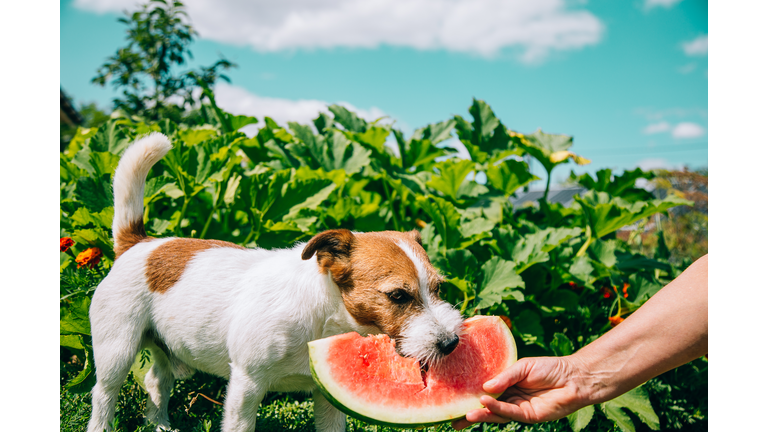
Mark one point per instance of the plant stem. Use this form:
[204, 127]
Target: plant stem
[207, 223]
[181, 216]
[586, 244]
[546, 190]
[391, 198]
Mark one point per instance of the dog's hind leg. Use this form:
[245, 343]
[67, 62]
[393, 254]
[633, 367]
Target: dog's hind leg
[114, 354]
[158, 382]
[244, 395]
[327, 417]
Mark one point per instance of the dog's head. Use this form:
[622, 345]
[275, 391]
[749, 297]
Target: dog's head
[386, 280]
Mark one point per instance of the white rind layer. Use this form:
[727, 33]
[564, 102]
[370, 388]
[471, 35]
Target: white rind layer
[410, 415]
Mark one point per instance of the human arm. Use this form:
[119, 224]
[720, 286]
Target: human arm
[669, 330]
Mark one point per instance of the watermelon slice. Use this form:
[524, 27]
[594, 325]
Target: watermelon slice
[366, 378]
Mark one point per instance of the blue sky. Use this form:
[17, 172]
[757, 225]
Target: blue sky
[628, 79]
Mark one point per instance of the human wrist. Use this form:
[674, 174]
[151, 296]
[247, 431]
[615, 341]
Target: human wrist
[593, 387]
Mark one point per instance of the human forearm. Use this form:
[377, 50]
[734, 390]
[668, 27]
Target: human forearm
[669, 330]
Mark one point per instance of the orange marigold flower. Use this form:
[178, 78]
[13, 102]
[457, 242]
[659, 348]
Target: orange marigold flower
[615, 320]
[624, 290]
[89, 257]
[65, 243]
[506, 320]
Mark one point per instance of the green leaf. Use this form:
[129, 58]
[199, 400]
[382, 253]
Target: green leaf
[636, 401]
[374, 137]
[238, 121]
[104, 163]
[604, 251]
[533, 248]
[445, 218]
[581, 418]
[559, 301]
[484, 120]
[197, 134]
[452, 175]
[476, 226]
[230, 193]
[460, 263]
[435, 132]
[95, 194]
[75, 319]
[528, 324]
[606, 214]
[550, 149]
[621, 186]
[156, 186]
[561, 345]
[345, 154]
[83, 218]
[642, 287]
[627, 262]
[86, 379]
[498, 279]
[582, 269]
[78, 140]
[509, 176]
[141, 366]
[110, 137]
[422, 153]
[349, 120]
[71, 341]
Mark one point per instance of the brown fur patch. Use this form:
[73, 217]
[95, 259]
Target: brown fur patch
[127, 238]
[368, 266]
[167, 262]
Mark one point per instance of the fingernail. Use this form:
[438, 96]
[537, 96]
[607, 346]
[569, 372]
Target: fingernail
[491, 383]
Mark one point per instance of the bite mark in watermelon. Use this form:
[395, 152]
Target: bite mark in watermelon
[366, 378]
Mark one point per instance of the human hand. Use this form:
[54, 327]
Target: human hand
[535, 389]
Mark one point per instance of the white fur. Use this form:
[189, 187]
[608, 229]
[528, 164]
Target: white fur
[437, 321]
[245, 315]
[130, 175]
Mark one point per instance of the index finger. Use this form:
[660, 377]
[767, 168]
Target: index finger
[508, 377]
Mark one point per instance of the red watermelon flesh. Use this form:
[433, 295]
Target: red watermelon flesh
[365, 377]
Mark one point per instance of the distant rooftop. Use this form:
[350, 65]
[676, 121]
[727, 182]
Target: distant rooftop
[563, 196]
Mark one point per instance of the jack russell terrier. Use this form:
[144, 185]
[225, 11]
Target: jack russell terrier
[247, 314]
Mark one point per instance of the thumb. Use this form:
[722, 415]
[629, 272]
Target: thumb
[508, 377]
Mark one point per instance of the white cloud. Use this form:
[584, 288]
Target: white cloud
[660, 3]
[697, 47]
[656, 128]
[238, 100]
[687, 130]
[656, 163]
[483, 27]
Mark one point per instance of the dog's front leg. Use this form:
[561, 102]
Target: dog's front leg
[244, 395]
[327, 417]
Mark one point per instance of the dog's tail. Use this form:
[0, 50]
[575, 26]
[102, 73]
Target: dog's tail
[130, 176]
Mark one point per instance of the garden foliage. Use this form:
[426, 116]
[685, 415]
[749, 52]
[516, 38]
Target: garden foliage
[558, 273]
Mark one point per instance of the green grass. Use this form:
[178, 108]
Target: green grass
[279, 411]
[190, 411]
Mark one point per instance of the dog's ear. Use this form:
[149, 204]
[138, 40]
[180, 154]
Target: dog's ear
[416, 236]
[331, 245]
[333, 249]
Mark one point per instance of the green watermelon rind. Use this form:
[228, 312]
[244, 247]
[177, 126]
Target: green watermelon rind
[443, 418]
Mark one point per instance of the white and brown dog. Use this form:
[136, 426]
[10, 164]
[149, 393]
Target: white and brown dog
[247, 314]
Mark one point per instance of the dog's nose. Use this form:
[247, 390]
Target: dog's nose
[447, 345]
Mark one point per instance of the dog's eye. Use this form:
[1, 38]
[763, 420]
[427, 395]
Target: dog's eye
[399, 296]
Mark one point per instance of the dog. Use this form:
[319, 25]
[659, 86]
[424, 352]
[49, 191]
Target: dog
[247, 314]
